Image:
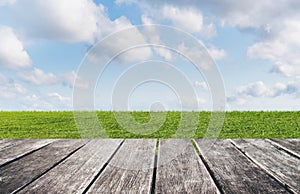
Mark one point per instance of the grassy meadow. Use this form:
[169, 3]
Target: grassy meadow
[236, 125]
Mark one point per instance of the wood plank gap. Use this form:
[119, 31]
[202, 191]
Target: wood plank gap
[53, 166]
[210, 172]
[281, 147]
[102, 169]
[154, 168]
[195, 146]
[288, 188]
[26, 154]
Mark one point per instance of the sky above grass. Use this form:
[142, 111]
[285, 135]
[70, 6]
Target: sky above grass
[255, 45]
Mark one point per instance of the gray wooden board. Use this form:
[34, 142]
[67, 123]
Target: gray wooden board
[24, 170]
[292, 145]
[278, 163]
[6, 143]
[180, 169]
[26, 146]
[233, 171]
[130, 170]
[75, 173]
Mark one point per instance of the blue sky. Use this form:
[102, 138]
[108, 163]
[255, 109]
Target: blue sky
[255, 45]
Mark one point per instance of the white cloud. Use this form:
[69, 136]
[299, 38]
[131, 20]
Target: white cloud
[217, 54]
[10, 89]
[163, 52]
[71, 80]
[256, 89]
[123, 43]
[286, 69]
[12, 53]
[51, 101]
[202, 85]
[76, 21]
[267, 50]
[189, 19]
[282, 49]
[260, 90]
[186, 18]
[291, 88]
[200, 56]
[59, 19]
[57, 98]
[275, 25]
[34, 102]
[249, 14]
[146, 20]
[38, 77]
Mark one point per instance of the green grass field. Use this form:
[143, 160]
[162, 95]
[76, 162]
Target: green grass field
[236, 125]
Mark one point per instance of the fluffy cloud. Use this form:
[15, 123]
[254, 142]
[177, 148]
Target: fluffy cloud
[286, 69]
[9, 88]
[123, 46]
[275, 25]
[63, 21]
[256, 89]
[267, 50]
[260, 89]
[163, 52]
[38, 77]
[217, 54]
[51, 101]
[71, 80]
[34, 102]
[12, 53]
[281, 48]
[78, 21]
[189, 19]
[199, 56]
[186, 18]
[202, 85]
[58, 99]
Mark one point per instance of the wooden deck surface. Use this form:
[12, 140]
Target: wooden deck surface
[150, 166]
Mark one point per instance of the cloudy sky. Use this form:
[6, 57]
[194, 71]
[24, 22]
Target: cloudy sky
[255, 45]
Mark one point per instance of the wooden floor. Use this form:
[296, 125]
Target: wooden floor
[150, 166]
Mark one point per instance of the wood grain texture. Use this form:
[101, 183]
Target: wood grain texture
[180, 169]
[130, 170]
[17, 174]
[276, 162]
[292, 145]
[75, 173]
[21, 148]
[5, 142]
[233, 171]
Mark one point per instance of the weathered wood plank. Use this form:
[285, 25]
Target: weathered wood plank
[292, 145]
[180, 169]
[233, 171]
[276, 162]
[6, 143]
[15, 175]
[75, 173]
[130, 170]
[20, 149]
